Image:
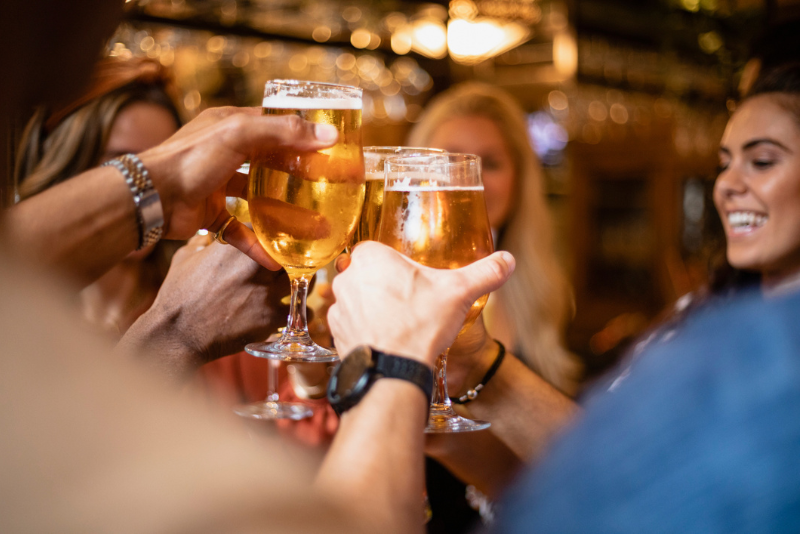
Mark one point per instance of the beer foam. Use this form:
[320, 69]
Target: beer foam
[374, 176]
[296, 102]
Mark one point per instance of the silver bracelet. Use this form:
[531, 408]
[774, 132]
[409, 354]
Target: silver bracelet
[149, 212]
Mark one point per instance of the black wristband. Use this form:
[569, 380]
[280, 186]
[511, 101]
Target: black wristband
[471, 394]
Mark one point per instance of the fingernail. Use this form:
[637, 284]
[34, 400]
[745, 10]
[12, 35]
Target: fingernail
[508, 259]
[326, 133]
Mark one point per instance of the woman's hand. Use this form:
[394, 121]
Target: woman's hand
[471, 355]
[195, 169]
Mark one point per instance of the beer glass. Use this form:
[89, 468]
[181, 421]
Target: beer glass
[305, 205]
[434, 213]
[374, 158]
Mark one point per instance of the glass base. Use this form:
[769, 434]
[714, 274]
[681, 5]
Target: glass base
[274, 410]
[443, 420]
[291, 351]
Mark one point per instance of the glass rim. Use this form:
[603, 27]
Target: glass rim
[411, 161]
[395, 149]
[301, 83]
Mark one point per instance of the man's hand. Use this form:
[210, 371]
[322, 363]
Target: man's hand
[213, 302]
[396, 305]
[195, 169]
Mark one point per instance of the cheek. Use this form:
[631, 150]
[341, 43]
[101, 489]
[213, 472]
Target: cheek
[499, 189]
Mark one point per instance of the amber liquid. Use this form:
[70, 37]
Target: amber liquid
[305, 207]
[367, 227]
[442, 228]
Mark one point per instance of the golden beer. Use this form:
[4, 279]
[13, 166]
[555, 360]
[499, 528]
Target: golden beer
[440, 228]
[374, 159]
[367, 227]
[305, 207]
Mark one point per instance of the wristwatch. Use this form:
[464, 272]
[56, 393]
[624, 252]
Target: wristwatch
[355, 374]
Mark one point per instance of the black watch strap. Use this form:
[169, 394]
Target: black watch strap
[355, 374]
[390, 366]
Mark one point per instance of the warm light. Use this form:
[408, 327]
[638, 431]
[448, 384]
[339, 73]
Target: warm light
[374, 41]
[321, 34]
[473, 41]
[401, 40]
[262, 50]
[360, 38]
[710, 42]
[565, 54]
[618, 113]
[429, 38]
[558, 101]
[192, 100]
[598, 111]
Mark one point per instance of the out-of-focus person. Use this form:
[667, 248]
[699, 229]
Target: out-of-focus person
[529, 314]
[128, 108]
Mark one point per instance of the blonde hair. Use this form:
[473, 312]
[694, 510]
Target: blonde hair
[537, 297]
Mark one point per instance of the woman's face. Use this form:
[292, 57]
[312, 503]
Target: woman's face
[757, 193]
[136, 128]
[481, 136]
[139, 126]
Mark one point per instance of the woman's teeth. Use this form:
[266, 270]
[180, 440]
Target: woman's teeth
[745, 220]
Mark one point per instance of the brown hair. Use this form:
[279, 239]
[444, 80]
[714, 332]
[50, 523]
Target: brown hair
[537, 297]
[58, 145]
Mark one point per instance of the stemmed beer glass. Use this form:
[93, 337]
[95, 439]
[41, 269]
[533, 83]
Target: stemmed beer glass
[304, 206]
[374, 159]
[434, 213]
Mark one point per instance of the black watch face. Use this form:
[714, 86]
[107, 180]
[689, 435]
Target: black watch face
[352, 371]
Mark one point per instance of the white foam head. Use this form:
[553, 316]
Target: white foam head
[421, 182]
[296, 102]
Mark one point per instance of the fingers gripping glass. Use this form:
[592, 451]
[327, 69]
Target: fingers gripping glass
[305, 205]
[434, 213]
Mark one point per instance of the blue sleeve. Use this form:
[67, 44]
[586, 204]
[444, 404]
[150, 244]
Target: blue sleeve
[704, 436]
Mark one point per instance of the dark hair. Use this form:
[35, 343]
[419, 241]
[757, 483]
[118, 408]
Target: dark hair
[784, 83]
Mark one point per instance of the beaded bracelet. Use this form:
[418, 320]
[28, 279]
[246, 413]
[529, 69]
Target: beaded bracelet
[149, 212]
[471, 394]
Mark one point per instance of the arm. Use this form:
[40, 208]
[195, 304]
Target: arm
[395, 305]
[525, 411]
[88, 223]
[213, 301]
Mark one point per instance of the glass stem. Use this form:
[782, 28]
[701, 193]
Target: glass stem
[272, 381]
[298, 324]
[440, 398]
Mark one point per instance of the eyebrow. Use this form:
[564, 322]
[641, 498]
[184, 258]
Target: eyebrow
[765, 140]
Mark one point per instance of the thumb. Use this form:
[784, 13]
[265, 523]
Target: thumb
[485, 275]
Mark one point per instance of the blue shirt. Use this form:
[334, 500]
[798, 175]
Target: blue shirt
[703, 436]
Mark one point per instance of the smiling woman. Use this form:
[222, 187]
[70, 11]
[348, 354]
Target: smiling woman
[757, 193]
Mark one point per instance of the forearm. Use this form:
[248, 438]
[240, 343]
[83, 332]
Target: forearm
[81, 227]
[525, 412]
[154, 341]
[375, 464]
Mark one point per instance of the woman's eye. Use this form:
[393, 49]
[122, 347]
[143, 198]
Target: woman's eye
[763, 163]
[722, 167]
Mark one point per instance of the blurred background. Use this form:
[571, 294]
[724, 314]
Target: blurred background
[626, 102]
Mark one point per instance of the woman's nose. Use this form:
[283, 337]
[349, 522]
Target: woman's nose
[731, 182]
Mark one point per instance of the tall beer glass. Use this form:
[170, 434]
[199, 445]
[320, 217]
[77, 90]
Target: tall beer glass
[434, 213]
[374, 158]
[305, 205]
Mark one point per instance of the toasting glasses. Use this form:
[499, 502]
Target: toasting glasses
[434, 213]
[304, 206]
